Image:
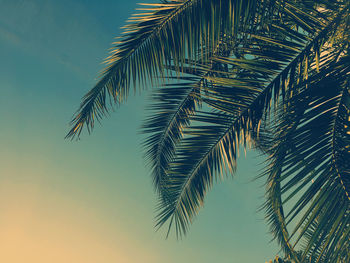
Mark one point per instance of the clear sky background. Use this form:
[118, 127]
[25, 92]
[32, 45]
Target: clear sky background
[91, 201]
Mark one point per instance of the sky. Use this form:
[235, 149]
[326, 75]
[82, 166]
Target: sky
[92, 200]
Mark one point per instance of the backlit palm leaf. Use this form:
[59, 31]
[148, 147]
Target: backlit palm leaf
[286, 68]
[315, 164]
[163, 35]
[212, 145]
[172, 107]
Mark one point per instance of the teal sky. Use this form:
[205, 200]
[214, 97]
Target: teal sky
[92, 201]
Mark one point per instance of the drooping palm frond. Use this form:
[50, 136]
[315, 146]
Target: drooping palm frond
[273, 205]
[330, 53]
[164, 34]
[284, 63]
[167, 126]
[242, 100]
[172, 108]
[276, 172]
[170, 116]
[168, 121]
[315, 163]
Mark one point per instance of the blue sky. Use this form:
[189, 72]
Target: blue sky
[92, 200]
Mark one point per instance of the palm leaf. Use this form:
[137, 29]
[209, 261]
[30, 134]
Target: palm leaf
[316, 163]
[163, 35]
[174, 105]
[212, 145]
[273, 205]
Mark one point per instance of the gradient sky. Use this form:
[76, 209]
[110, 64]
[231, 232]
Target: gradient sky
[91, 201]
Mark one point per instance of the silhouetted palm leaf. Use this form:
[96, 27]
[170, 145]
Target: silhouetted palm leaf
[244, 97]
[315, 164]
[163, 35]
[284, 68]
[172, 108]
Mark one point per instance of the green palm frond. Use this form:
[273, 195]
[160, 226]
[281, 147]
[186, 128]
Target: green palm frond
[273, 205]
[174, 105]
[208, 148]
[243, 69]
[315, 164]
[242, 100]
[162, 35]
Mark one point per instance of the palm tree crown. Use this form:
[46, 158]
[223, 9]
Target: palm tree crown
[266, 74]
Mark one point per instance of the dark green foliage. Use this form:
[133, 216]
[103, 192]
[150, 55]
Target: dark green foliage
[271, 75]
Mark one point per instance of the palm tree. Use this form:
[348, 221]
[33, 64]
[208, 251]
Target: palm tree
[266, 74]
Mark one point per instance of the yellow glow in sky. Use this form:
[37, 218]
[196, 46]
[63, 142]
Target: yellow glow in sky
[38, 230]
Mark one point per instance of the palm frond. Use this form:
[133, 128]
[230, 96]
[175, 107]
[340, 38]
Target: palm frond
[314, 165]
[241, 101]
[162, 35]
[174, 105]
[273, 205]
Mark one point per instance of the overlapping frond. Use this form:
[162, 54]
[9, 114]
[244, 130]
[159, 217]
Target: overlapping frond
[173, 106]
[273, 205]
[313, 163]
[287, 66]
[276, 174]
[277, 61]
[164, 34]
